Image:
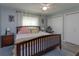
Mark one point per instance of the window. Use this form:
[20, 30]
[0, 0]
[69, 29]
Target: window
[30, 21]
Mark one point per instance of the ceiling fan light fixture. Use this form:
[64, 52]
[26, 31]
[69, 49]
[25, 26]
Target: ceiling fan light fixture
[44, 8]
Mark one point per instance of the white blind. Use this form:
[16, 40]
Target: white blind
[30, 21]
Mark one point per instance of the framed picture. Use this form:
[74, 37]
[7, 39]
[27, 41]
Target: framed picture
[11, 18]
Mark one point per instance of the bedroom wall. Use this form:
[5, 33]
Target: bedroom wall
[70, 24]
[5, 23]
[56, 24]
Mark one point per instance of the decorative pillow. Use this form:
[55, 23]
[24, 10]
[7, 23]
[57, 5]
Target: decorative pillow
[34, 30]
[24, 30]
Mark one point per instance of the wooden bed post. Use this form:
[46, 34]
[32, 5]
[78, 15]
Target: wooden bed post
[18, 49]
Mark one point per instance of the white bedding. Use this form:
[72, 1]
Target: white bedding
[25, 37]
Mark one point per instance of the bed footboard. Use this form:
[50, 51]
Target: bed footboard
[38, 46]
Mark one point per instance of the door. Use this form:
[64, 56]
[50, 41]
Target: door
[71, 28]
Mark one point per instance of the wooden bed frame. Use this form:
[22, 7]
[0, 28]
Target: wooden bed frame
[38, 46]
[18, 28]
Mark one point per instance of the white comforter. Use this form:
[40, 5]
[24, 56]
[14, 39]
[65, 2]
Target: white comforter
[25, 37]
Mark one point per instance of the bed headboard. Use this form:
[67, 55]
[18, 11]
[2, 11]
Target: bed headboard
[30, 27]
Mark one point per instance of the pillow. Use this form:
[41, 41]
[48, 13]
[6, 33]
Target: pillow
[34, 30]
[24, 30]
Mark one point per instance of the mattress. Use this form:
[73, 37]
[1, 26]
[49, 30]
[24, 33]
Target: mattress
[25, 37]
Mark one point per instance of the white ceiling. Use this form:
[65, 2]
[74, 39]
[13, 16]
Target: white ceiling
[36, 7]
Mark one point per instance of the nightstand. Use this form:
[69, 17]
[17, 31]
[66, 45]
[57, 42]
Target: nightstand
[7, 40]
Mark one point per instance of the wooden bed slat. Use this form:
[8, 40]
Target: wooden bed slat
[26, 49]
[31, 47]
[22, 49]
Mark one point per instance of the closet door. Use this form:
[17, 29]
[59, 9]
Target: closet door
[71, 28]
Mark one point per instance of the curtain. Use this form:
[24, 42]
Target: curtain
[25, 19]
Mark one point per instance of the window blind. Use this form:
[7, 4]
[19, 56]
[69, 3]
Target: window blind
[30, 21]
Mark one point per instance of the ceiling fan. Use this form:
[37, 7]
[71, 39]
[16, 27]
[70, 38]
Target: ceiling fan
[45, 6]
